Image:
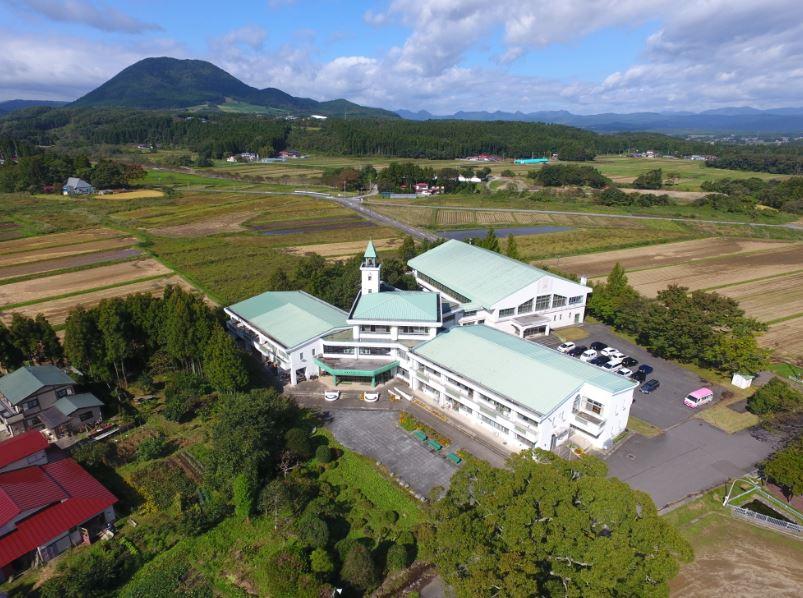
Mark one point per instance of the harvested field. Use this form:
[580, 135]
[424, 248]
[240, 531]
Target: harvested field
[9, 230]
[40, 289]
[312, 225]
[417, 216]
[225, 223]
[785, 339]
[455, 217]
[717, 272]
[71, 261]
[64, 251]
[599, 264]
[140, 194]
[57, 310]
[56, 239]
[769, 299]
[496, 218]
[348, 248]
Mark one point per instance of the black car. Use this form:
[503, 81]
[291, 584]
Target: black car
[629, 362]
[647, 369]
[639, 376]
[601, 360]
[597, 346]
[578, 351]
[650, 386]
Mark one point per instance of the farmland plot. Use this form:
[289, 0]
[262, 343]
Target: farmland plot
[62, 251]
[769, 299]
[29, 244]
[78, 260]
[785, 339]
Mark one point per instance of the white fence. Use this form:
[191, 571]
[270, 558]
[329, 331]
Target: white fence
[780, 523]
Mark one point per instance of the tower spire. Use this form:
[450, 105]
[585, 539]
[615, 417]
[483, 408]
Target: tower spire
[370, 270]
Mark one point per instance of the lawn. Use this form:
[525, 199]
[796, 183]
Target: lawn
[639, 426]
[728, 420]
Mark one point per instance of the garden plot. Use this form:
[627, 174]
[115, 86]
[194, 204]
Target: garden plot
[785, 339]
[455, 217]
[63, 251]
[30, 244]
[80, 260]
[500, 217]
[348, 248]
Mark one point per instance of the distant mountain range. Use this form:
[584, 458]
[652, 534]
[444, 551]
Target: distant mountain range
[170, 83]
[12, 105]
[722, 121]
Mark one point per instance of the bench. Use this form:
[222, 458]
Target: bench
[420, 435]
[434, 445]
[454, 458]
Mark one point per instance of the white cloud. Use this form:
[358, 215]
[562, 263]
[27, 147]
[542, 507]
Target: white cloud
[251, 36]
[98, 15]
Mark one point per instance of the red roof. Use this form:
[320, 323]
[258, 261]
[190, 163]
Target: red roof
[19, 447]
[30, 488]
[85, 498]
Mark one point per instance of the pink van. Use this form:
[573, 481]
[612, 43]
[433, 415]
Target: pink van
[701, 396]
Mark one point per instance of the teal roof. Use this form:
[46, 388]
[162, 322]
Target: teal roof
[403, 306]
[480, 275]
[530, 374]
[72, 403]
[370, 250]
[22, 383]
[290, 317]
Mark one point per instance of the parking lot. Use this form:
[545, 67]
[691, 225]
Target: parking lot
[663, 407]
[376, 434]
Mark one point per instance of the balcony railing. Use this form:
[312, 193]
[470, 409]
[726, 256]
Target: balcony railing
[588, 422]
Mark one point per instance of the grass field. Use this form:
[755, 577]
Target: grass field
[733, 557]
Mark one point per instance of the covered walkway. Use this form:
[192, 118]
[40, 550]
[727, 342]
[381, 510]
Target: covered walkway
[358, 370]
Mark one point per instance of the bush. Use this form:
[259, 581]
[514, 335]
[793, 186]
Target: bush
[297, 441]
[785, 468]
[92, 571]
[312, 531]
[508, 173]
[199, 518]
[288, 574]
[652, 179]
[321, 562]
[244, 488]
[152, 448]
[323, 454]
[398, 557]
[775, 397]
[160, 483]
[359, 569]
[183, 393]
[390, 517]
[93, 454]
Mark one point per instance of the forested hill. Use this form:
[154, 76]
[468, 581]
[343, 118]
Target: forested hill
[169, 83]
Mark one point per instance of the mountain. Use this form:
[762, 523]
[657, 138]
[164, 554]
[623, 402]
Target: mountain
[170, 83]
[721, 121]
[12, 105]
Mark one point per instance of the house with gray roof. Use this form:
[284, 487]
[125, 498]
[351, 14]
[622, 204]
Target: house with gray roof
[76, 186]
[45, 398]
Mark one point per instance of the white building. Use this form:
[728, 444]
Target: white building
[456, 346]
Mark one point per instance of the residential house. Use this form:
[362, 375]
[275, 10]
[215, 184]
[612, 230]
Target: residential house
[48, 503]
[76, 186]
[45, 398]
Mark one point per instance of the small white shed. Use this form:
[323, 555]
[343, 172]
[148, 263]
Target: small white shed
[741, 380]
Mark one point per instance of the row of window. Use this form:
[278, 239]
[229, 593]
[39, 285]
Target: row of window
[444, 288]
[540, 303]
[339, 350]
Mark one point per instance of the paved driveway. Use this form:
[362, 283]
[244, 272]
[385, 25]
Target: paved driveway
[688, 459]
[376, 434]
[664, 407]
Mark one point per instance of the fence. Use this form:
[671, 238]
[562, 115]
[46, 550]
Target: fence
[748, 514]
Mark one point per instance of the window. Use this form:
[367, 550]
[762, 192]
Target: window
[542, 302]
[375, 329]
[85, 416]
[33, 404]
[575, 300]
[525, 307]
[338, 350]
[61, 392]
[558, 300]
[467, 314]
[593, 406]
[413, 330]
[506, 313]
[442, 287]
[374, 351]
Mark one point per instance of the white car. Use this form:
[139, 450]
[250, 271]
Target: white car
[566, 347]
[625, 372]
[609, 352]
[370, 397]
[588, 355]
[331, 395]
[613, 365]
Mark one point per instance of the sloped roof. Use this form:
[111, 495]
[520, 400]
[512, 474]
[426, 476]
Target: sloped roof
[290, 317]
[30, 488]
[75, 182]
[482, 276]
[72, 403]
[404, 306]
[21, 446]
[22, 383]
[530, 374]
[370, 250]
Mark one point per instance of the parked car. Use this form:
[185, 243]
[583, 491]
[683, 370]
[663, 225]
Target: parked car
[588, 355]
[639, 376]
[577, 351]
[599, 361]
[331, 395]
[566, 347]
[597, 346]
[650, 386]
[701, 396]
[370, 397]
[612, 365]
[647, 369]
[629, 362]
[608, 351]
[624, 372]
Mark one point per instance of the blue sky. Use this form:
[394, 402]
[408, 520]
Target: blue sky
[586, 56]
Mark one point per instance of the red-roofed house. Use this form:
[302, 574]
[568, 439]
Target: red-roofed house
[48, 503]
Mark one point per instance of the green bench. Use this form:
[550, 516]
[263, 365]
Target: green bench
[420, 435]
[434, 445]
[454, 458]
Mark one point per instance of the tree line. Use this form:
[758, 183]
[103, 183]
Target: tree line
[785, 159]
[744, 195]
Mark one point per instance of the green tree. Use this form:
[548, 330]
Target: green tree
[785, 468]
[652, 179]
[35, 338]
[244, 489]
[152, 448]
[407, 249]
[312, 531]
[359, 568]
[321, 562]
[545, 526]
[223, 363]
[115, 335]
[490, 241]
[10, 355]
[323, 454]
[775, 397]
[512, 249]
[297, 441]
[398, 557]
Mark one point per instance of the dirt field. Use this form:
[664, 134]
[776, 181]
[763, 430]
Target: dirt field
[28, 244]
[56, 311]
[141, 194]
[638, 258]
[52, 286]
[50, 253]
[70, 261]
[224, 223]
[785, 339]
[769, 299]
[348, 248]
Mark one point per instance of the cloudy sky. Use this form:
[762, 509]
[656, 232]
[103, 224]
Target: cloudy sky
[587, 56]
